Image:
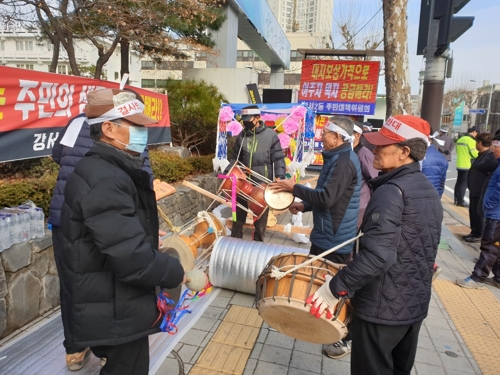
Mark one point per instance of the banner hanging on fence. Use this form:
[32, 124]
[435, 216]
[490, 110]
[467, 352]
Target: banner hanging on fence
[36, 106]
[339, 87]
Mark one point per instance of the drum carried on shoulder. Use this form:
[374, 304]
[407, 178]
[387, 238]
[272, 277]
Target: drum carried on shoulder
[254, 188]
[281, 302]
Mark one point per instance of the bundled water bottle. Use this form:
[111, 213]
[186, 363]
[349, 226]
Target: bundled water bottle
[39, 223]
[22, 223]
[3, 234]
[8, 220]
[9, 225]
[18, 227]
[32, 215]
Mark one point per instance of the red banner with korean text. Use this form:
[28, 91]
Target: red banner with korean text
[339, 87]
[36, 106]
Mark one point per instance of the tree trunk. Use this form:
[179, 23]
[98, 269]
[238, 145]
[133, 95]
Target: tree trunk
[124, 54]
[55, 55]
[98, 67]
[397, 70]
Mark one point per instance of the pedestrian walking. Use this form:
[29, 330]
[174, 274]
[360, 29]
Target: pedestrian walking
[489, 257]
[466, 153]
[448, 145]
[481, 168]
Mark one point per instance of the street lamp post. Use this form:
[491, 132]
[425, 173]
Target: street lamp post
[489, 106]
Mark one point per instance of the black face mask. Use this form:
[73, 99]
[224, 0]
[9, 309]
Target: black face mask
[248, 125]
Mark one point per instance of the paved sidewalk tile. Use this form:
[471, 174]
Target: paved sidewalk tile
[266, 368]
[273, 354]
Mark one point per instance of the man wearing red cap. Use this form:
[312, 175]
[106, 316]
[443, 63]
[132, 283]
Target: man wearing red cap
[389, 280]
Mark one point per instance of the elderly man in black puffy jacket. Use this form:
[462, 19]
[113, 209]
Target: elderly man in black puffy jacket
[67, 152]
[257, 147]
[389, 280]
[110, 263]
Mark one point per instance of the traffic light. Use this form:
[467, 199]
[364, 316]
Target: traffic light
[450, 26]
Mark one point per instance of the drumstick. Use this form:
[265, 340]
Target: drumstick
[206, 192]
[276, 273]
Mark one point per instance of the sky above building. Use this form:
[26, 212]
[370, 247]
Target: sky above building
[476, 53]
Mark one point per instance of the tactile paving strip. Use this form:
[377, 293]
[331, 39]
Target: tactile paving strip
[231, 345]
[476, 314]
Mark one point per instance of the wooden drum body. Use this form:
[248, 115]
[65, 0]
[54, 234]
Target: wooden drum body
[281, 303]
[246, 189]
[187, 245]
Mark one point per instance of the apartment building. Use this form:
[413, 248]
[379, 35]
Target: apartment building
[26, 50]
[304, 16]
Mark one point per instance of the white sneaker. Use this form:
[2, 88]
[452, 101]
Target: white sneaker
[470, 284]
[338, 349]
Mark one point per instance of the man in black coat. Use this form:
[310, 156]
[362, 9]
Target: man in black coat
[389, 280]
[68, 150]
[110, 264]
[257, 147]
[481, 168]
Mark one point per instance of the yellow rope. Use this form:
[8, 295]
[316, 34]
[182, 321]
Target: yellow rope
[173, 228]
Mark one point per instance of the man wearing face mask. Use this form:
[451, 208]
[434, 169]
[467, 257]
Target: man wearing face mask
[110, 264]
[259, 148]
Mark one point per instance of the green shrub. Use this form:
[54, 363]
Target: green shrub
[29, 168]
[169, 167]
[202, 164]
[39, 190]
[35, 179]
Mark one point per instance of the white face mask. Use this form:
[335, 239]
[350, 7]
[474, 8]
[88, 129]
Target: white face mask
[138, 138]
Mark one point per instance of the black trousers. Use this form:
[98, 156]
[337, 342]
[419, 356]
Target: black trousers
[489, 258]
[476, 220]
[131, 358]
[259, 225]
[461, 185]
[383, 350]
[332, 257]
[57, 238]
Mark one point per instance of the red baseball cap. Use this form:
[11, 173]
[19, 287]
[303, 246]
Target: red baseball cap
[397, 129]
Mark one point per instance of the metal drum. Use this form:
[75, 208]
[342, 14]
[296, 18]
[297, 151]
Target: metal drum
[236, 264]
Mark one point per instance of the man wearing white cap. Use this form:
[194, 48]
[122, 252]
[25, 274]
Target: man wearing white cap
[389, 280]
[259, 148]
[335, 200]
[448, 146]
[110, 263]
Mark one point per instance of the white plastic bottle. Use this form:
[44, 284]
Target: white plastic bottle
[32, 223]
[18, 228]
[9, 226]
[40, 222]
[3, 234]
[25, 216]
